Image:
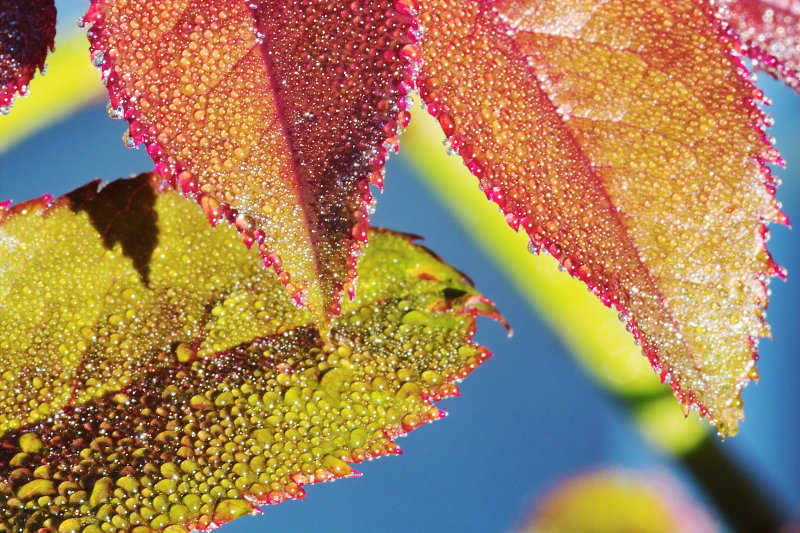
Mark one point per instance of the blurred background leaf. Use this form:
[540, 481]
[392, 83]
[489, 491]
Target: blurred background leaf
[618, 501]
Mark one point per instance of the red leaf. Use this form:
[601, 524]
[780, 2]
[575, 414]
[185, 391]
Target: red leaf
[273, 115]
[770, 32]
[624, 138]
[27, 31]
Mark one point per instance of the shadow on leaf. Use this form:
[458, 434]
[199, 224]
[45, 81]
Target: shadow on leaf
[123, 212]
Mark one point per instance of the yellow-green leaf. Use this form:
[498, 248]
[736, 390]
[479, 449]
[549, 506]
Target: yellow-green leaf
[156, 377]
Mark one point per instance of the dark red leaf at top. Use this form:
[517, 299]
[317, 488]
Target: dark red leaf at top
[273, 115]
[770, 32]
[27, 31]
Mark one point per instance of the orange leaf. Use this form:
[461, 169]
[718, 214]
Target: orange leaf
[27, 31]
[273, 115]
[155, 377]
[626, 140]
[770, 33]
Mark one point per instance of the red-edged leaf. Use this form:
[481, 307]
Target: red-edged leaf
[27, 31]
[156, 377]
[626, 140]
[770, 33]
[272, 114]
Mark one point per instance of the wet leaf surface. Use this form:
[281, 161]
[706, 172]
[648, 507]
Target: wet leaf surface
[627, 142]
[156, 377]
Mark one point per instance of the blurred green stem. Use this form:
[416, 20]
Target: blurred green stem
[744, 507]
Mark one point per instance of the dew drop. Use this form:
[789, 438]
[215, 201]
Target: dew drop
[447, 124]
[98, 59]
[127, 139]
[114, 112]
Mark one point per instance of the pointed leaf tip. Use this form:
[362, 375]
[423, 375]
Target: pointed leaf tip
[189, 399]
[627, 142]
[273, 115]
[27, 32]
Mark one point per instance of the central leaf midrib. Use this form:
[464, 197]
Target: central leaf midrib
[282, 115]
[602, 190]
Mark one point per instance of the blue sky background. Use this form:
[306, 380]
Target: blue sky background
[529, 416]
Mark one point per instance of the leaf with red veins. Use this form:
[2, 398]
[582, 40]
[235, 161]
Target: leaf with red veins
[27, 31]
[770, 33]
[273, 115]
[625, 139]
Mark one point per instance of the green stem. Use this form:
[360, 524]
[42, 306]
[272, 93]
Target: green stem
[743, 505]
